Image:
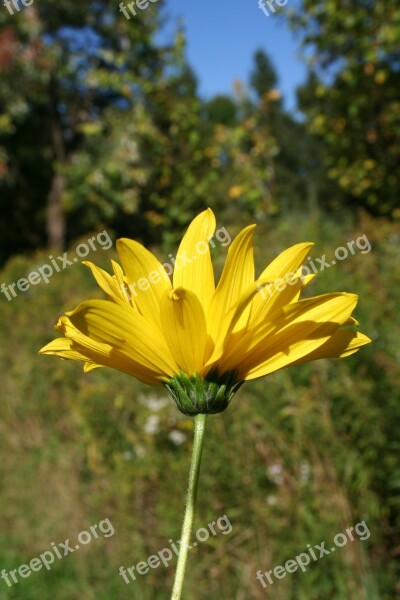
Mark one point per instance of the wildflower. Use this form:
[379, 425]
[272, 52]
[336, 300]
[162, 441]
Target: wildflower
[203, 341]
[199, 340]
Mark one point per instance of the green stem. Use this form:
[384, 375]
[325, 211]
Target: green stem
[199, 429]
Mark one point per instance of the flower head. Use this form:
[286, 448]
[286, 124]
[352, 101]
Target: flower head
[200, 340]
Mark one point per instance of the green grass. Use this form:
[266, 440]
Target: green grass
[297, 458]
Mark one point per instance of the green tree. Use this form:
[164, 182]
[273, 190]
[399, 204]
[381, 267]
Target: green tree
[263, 77]
[66, 72]
[352, 99]
[221, 109]
[298, 172]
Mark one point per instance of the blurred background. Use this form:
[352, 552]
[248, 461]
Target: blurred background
[133, 126]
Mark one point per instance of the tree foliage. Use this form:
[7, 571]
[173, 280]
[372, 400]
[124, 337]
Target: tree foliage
[352, 96]
[101, 124]
[70, 78]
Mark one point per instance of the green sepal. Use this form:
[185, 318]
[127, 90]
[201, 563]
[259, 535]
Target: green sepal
[194, 395]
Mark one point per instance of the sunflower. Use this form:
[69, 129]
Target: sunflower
[200, 340]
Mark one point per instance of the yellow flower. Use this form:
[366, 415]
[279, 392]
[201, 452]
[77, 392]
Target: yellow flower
[200, 340]
[235, 191]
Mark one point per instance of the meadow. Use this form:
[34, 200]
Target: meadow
[297, 458]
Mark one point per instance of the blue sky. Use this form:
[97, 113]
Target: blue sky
[222, 36]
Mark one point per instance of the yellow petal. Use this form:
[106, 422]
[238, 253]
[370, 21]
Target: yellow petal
[231, 320]
[117, 336]
[62, 347]
[122, 282]
[342, 343]
[305, 280]
[352, 321]
[287, 261]
[300, 329]
[286, 282]
[237, 277]
[184, 327]
[193, 269]
[147, 278]
[107, 283]
[91, 366]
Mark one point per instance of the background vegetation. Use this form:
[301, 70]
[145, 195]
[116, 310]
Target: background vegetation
[101, 127]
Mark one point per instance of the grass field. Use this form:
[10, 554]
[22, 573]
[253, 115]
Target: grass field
[296, 459]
